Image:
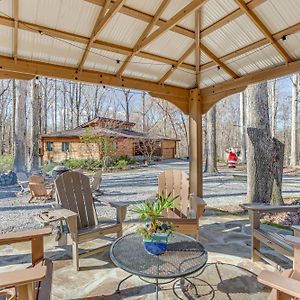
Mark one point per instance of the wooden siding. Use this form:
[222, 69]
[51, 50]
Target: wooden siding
[168, 149]
[80, 150]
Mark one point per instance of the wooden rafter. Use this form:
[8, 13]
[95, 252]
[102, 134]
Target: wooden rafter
[230, 17]
[156, 17]
[183, 13]
[104, 17]
[264, 30]
[126, 10]
[15, 34]
[253, 46]
[197, 46]
[69, 73]
[84, 40]
[178, 64]
[14, 75]
[218, 61]
[252, 78]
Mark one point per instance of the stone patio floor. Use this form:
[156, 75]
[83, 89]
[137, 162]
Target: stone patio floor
[230, 274]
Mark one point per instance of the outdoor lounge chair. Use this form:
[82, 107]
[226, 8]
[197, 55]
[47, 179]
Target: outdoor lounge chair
[285, 285]
[33, 283]
[23, 182]
[185, 217]
[38, 189]
[75, 196]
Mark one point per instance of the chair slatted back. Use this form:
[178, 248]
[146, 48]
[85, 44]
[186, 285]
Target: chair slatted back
[176, 183]
[38, 189]
[36, 179]
[74, 193]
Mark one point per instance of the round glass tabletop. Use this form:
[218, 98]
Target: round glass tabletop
[184, 256]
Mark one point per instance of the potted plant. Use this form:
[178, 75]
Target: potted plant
[155, 232]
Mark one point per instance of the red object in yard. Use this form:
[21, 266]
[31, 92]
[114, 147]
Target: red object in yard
[232, 159]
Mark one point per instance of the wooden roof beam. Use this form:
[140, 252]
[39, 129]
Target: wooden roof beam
[126, 10]
[197, 45]
[13, 75]
[218, 61]
[264, 30]
[183, 13]
[156, 17]
[70, 73]
[104, 17]
[253, 46]
[259, 76]
[15, 32]
[178, 64]
[84, 40]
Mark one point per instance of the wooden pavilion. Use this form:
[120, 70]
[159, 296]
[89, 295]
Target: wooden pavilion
[192, 53]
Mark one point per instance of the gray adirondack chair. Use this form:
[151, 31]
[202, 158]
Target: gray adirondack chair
[74, 194]
[188, 208]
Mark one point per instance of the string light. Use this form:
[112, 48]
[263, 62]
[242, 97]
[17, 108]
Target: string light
[118, 61]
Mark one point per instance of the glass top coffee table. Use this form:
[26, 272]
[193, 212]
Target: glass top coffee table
[184, 256]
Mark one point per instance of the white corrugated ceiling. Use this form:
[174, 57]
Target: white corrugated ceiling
[77, 18]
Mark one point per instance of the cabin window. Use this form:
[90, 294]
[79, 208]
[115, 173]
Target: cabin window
[49, 146]
[65, 146]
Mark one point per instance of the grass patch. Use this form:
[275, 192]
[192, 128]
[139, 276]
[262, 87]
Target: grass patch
[280, 226]
[6, 163]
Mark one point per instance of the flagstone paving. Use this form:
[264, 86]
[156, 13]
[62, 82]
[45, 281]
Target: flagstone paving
[230, 274]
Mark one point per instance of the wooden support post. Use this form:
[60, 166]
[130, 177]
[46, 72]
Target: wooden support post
[195, 143]
[254, 217]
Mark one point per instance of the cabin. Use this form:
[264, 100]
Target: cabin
[115, 137]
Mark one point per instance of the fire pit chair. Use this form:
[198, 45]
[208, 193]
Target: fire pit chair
[33, 283]
[285, 285]
[185, 218]
[38, 189]
[78, 210]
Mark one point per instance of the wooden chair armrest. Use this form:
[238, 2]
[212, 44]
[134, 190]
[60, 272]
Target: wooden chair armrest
[22, 236]
[283, 284]
[118, 204]
[292, 240]
[21, 277]
[199, 201]
[269, 208]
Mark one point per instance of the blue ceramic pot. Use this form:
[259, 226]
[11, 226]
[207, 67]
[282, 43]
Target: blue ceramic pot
[157, 244]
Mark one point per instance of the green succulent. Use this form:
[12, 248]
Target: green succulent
[151, 211]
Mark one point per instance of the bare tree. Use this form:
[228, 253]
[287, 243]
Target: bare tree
[274, 106]
[126, 104]
[294, 161]
[243, 126]
[20, 136]
[211, 166]
[35, 128]
[265, 154]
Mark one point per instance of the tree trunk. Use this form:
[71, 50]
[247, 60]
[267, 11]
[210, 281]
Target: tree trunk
[35, 129]
[274, 105]
[265, 154]
[243, 126]
[20, 132]
[278, 159]
[294, 161]
[259, 179]
[211, 141]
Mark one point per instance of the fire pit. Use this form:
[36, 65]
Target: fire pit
[9, 178]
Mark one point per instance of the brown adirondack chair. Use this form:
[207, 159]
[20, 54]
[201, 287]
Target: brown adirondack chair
[285, 285]
[74, 194]
[188, 208]
[33, 283]
[38, 189]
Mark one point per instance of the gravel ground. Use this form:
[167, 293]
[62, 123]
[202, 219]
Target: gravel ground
[225, 190]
